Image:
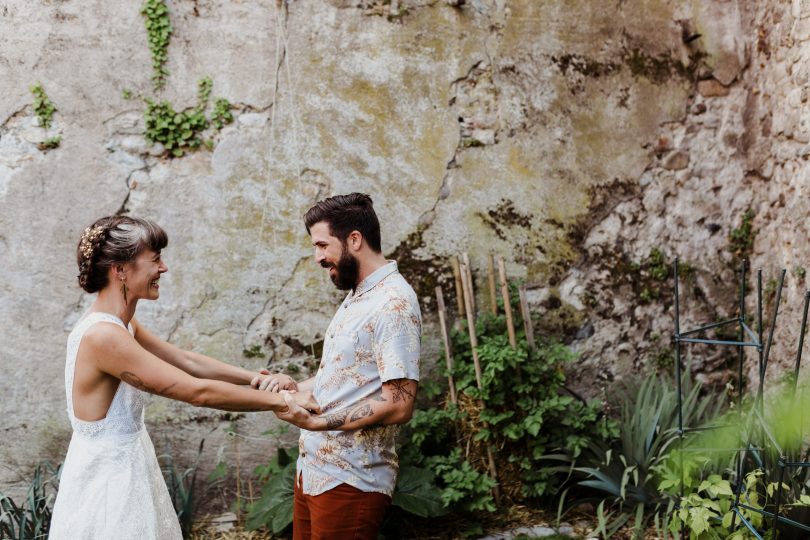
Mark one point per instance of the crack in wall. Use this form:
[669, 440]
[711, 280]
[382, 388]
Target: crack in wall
[273, 298]
[207, 295]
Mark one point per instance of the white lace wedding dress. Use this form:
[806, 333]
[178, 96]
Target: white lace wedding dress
[111, 485]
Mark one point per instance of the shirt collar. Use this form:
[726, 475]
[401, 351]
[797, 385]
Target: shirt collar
[374, 278]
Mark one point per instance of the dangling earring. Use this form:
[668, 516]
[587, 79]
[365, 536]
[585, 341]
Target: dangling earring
[124, 291]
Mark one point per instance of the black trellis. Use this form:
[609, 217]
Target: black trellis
[746, 338]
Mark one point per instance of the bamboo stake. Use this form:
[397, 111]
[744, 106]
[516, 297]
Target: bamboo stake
[471, 323]
[527, 317]
[492, 291]
[465, 283]
[466, 260]
[447, 354]
[507, 305]
[459, 290]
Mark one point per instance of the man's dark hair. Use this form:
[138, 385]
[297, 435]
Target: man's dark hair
[347, 213]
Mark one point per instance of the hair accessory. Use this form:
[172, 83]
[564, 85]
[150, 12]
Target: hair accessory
[88, 241]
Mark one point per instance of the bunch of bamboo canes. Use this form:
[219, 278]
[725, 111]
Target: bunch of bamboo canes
[465, 296]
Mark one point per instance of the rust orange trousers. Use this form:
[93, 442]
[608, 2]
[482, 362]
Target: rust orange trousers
[342, 513]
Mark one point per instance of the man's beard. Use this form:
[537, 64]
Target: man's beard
[347, 270]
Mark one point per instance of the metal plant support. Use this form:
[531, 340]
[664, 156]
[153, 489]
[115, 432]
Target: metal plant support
[755, 421]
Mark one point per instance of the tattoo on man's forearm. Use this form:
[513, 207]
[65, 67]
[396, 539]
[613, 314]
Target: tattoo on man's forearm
[401, 391]
[133, 380]
[335, 420]
[361, 412]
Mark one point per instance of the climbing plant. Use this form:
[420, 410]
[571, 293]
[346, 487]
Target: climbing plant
[159, 31]
[182, 131]
[179, 131]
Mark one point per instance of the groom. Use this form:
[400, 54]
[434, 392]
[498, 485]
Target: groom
[366, 383]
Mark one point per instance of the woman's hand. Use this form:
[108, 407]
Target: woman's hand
[297, 412]
[306, 401]
[273, 382]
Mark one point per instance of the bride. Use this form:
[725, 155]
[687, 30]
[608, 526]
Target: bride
[111, 485]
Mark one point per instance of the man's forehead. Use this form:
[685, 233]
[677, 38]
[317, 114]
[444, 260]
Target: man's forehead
[320, 232]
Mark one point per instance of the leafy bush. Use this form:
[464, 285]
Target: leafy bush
[31, 518]
[523, 412]
[627, 472]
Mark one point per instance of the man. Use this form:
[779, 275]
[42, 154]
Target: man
[366, 383]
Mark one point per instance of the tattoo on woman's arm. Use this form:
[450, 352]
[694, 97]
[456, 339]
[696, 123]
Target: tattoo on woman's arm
[133, 380]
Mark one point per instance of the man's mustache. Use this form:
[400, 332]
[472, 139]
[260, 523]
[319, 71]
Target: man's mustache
[326, 264]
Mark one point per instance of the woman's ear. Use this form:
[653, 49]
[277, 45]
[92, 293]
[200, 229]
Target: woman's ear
[119, 273]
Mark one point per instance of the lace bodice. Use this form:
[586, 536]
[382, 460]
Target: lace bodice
[125, 415]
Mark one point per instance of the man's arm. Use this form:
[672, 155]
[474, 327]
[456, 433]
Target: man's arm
[392, 405]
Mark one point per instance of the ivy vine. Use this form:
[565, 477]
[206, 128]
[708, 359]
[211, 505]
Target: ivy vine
[159, 31]
[179, 131]
[182, 131]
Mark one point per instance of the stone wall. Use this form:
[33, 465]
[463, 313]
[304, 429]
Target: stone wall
[583, 141]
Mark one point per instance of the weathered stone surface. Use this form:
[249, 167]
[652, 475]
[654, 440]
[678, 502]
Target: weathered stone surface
[570, 137]
[712, 88]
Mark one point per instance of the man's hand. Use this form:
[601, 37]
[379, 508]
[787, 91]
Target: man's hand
[274, 382]
[298, 406]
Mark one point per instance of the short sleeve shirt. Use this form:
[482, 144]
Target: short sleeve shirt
[373, 338]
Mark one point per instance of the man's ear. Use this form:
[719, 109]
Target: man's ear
[355, 240]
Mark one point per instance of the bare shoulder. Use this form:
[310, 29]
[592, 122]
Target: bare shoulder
[103, 335]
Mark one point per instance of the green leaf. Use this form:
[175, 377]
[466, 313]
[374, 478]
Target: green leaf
[416, 493]
[274, 508]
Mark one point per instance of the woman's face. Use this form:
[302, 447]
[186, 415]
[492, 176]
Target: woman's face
[143, 274]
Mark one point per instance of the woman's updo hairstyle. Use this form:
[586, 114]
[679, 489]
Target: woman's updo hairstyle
[114, 240]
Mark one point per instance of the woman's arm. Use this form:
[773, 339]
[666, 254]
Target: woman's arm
[392, 405]
[198, 365]
[117, 353]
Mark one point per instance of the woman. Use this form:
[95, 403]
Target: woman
[111, 485]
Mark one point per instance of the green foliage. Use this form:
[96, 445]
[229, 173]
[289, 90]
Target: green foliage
[31, 518]
[657, 265]
[416, 493]
[274, 509]
[706, 508]
[254, 351]
[800, 271]
[43, 106]
[522, 411]
[178, 132]
[159, 31]
[627, 472]
[741, 239]
[181, 132]
[222, 113]
[181, 487]
[127, 94]
[464, 486]
[50, 143]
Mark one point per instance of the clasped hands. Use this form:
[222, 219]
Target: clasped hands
[301, 406]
